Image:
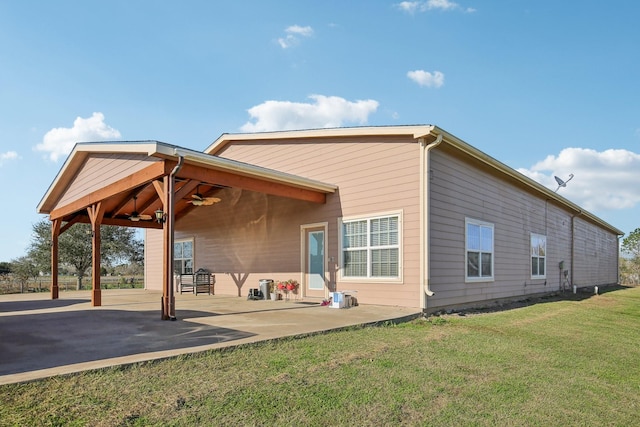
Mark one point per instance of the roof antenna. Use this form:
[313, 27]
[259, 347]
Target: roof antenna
[562, 183]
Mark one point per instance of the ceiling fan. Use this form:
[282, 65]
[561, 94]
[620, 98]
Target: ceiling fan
[135, 216]
[198, 199]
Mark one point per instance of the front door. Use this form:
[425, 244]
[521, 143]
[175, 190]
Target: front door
[315, 276]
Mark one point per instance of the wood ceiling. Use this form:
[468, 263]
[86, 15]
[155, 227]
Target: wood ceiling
[143, 192]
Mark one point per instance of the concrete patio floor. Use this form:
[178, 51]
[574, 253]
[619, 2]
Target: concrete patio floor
[40, 337]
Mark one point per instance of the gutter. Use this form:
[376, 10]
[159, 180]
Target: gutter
[425, 269]
[252, 170]
[170, 224]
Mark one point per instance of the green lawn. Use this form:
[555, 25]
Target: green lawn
[571, 362]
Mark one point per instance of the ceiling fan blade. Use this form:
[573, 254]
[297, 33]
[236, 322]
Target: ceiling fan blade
[208, 201]
[145, 217]
[197, 196]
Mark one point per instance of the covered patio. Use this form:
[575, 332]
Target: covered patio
[130, 333]
[150, 184]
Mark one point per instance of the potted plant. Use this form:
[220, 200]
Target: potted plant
[282, 287]
[292, 285]
[273, 291]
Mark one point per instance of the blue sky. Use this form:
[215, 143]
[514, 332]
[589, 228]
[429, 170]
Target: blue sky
[548, 87]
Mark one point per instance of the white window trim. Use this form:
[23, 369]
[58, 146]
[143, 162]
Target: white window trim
[491, 278]
[303, 255]
[193, 249]
[376, 215]
[543, 276]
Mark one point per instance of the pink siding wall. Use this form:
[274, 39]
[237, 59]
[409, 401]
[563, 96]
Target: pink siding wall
[100, 170]
[595, 255]
[153, 259]
[459, 190]
[250, 236]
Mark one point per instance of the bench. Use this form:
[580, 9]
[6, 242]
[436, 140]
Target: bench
[198, 282]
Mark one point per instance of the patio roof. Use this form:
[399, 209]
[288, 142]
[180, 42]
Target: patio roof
[138, 186]
[125, 183]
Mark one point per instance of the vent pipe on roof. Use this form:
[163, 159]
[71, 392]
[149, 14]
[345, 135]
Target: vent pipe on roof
[425, 266]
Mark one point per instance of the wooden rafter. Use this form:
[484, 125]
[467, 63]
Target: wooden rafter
[146, 175]
[229, 179]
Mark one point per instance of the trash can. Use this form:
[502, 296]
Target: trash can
[265, 286]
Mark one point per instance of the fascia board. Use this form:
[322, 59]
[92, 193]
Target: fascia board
[162, 150]
[254, 171]
[528, 182]
[80, 152]
[415, 131]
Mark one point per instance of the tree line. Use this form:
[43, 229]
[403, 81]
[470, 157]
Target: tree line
[119, 246]
[630, 264]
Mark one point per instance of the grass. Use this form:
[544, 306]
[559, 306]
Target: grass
[554, 363]
[10, 285]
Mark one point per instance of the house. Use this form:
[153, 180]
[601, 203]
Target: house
[401, 215]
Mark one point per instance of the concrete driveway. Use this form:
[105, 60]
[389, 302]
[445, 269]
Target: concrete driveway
[40, 337]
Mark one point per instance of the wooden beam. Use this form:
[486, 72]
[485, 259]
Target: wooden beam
[146, 175]
[158, 185]
[167, 253]
[187, 188]
[229, 179]
[120, 222]
[55, 233]
[124, 202]
[68, 224]
[96, 212]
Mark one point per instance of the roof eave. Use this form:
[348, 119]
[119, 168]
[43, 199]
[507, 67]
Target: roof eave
[80, 152]
[415, 131]
[168, 151]
[536, 186]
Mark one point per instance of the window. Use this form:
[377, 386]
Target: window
[538, 256]
[479, 250]
[371, 247]
[183, 257]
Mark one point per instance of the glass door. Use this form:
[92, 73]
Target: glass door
[315, 262]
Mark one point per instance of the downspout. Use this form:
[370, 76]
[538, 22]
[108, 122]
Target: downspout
[573, 244]
[425, 270]
[170, 223]
[618, 237]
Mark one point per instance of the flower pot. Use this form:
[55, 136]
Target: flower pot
[274, 296]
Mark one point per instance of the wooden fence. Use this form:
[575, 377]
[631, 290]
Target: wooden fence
[9, 285]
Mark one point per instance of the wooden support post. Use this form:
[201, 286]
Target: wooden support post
[167, 256]
[168, 296]
[55, 233]
[95, 215]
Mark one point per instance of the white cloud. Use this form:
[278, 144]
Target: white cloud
[59, 142]
[603, 180]
[9, 155]
[425, 78]
[293, 34]
[441, 4]
[323, 112]
[301, 31]
[424, 6]
[409, 6]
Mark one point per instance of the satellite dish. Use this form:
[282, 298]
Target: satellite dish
[562, 183]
